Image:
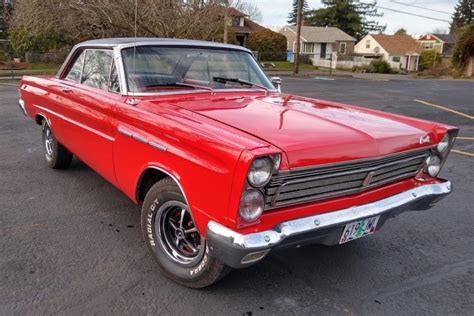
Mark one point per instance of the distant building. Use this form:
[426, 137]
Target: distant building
[241, 25]
[443, 44]
[320, 42]
[402, 50]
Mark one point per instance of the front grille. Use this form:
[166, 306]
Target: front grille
[328, 181]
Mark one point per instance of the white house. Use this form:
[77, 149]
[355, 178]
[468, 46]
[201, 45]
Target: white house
[320, 42]
[401, 51]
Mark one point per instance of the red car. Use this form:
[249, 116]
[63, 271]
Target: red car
[226, 167]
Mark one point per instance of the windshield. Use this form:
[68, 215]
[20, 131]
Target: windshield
[159, 69]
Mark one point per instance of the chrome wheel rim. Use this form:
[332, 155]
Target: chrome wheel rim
[178, 234]
[48, 141]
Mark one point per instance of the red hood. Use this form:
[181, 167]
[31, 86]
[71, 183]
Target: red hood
[311, 131]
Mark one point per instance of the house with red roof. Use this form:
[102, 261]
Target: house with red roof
[401, 51]
[443, 44]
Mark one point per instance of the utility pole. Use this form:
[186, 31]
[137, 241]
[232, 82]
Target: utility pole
[299, 21]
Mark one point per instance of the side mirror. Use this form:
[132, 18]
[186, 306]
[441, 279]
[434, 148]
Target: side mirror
[276, 81]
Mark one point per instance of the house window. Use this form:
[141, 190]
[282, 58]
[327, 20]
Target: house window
[342, 48]
[235, 21]
[367, 44]
[396, 59]
[308, 47]
[428, 45]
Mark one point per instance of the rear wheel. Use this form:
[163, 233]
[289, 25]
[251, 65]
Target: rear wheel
[172, 237]
[57, 156]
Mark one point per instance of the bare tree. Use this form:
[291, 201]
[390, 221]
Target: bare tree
[79, 20]
[250, 9]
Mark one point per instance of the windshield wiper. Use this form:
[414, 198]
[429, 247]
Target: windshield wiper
[180, 84]
[237, 80]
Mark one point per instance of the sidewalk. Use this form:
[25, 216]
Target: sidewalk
[339, 73]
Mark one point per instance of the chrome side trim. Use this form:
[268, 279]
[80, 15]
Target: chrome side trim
[231, 246]
[142, 139]
[157, 146]
[125, 132]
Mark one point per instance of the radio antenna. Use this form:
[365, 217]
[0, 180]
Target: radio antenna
[134, 101]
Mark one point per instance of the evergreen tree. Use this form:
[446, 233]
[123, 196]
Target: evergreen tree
[292, 15]
[351, 16]
[401, 31]
[463, 15]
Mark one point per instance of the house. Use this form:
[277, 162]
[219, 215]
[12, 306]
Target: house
[401, 51]
[320, 42]
[442, 43]
[241, 25]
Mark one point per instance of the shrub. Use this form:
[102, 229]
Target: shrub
[379, 66]
[360, 68]
[270, 45]
[464, 47]
[375, 66]
[429, 59]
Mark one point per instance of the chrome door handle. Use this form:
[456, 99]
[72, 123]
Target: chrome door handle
[66, 89]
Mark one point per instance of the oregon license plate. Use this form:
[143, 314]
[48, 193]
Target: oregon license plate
[359, 229]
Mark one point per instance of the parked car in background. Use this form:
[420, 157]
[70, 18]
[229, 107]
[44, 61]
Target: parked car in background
[226, 167]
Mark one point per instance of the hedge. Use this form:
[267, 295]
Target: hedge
[270, 45]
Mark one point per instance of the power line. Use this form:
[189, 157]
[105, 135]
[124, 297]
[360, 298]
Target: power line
[413, 14]
[420, 7]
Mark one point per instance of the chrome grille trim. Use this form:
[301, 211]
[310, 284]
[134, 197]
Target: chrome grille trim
[327, 181]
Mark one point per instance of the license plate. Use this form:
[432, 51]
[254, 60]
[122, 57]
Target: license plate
[359, 229]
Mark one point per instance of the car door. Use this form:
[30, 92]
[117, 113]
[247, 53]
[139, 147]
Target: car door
[87, 107]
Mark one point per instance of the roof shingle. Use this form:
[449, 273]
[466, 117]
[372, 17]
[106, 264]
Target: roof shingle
[398, 44]
[319, 34]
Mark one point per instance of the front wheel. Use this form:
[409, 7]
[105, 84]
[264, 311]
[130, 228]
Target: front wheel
[172, 237]
[57, 156]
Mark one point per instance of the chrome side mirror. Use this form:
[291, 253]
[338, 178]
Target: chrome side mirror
[276, 81]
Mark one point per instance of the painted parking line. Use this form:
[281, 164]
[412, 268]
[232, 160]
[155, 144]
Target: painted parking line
[465, 138]
[445, 108]
[8, 84]
[462, 152]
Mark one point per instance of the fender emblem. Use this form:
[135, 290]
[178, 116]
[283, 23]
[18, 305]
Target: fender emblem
[368, 179]
[424, 139]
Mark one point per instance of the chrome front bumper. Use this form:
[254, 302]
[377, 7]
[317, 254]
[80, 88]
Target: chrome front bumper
[238, 251]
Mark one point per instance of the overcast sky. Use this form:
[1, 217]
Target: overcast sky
[275, 13]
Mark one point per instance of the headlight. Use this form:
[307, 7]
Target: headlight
[251, 205]
[260, 171]
[443, 144]
[433, 165]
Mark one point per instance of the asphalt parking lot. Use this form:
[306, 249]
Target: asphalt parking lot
[70, 243]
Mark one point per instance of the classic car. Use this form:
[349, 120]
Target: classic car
[225, 166]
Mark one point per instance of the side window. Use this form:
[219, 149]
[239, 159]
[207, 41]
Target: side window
[114, 84]
[97, 69]
[74, 73]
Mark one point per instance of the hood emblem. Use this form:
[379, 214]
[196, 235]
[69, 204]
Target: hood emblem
[424, 139]
[368, 179]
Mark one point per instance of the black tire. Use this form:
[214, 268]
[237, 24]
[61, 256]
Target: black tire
[164, 204]
[57, 156]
